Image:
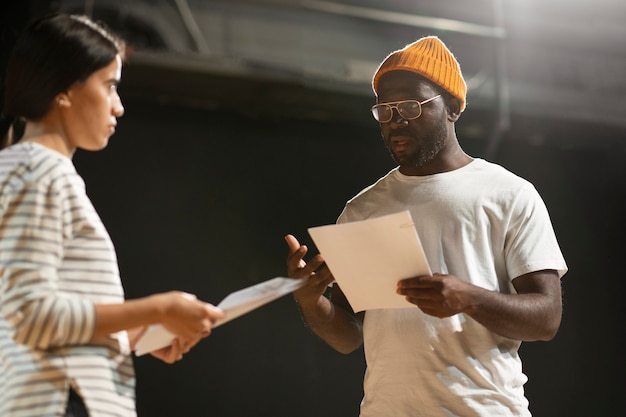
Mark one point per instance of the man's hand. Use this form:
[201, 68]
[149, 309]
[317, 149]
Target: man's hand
[436, 295]
[315, 271]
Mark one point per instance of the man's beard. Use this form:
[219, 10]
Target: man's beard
[424, 154]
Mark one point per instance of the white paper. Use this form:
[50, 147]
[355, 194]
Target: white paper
[234, 305]
[369, 257]
[245, 300]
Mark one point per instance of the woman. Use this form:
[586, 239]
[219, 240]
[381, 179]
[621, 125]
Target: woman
[66, 332]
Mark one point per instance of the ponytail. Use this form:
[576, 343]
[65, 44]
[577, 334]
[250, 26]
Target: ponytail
[6, 130]
[11, 130]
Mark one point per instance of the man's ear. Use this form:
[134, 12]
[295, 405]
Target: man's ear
[453, 105]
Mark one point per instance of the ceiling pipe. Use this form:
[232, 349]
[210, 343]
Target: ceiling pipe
[192, 26]
[405, 19]
[503, 98]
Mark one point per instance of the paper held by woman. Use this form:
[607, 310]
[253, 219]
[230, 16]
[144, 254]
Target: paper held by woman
[234, 305]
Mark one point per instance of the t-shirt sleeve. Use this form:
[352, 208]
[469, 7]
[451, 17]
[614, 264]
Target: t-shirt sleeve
[531, 243]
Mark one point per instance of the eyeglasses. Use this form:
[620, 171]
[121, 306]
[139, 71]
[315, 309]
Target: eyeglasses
[407, 109]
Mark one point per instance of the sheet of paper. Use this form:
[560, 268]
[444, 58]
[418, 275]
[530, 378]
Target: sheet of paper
[234, 305]
[243, 301]
[369, 257]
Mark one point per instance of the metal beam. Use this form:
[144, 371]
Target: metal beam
[405, 19]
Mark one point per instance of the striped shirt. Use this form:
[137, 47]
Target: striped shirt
[56, 261]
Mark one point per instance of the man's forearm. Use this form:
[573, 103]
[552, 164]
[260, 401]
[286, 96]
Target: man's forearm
[338, 328]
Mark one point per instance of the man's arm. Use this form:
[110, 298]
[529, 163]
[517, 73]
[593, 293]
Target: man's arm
[534, 313]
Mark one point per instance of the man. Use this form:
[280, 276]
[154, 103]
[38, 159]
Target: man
[485, 231]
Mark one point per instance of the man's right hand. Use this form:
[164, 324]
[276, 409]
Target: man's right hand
[315, 271]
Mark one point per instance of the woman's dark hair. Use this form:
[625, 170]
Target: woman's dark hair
[53, 53]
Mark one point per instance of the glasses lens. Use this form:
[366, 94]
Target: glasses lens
[410, 109]
[382, 112]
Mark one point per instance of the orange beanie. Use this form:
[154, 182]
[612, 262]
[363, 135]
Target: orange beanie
[430, 58]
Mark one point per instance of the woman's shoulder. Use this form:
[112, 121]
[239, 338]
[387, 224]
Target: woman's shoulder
[35, 158]
[31, 163]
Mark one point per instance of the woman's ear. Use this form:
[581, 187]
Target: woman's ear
[62, 100]
[453, 105]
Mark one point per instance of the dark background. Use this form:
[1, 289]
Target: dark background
[199, 199]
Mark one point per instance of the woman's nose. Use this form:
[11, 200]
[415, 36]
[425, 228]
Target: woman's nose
[118, 108]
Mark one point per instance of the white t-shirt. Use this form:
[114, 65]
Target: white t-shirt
[487, 226]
